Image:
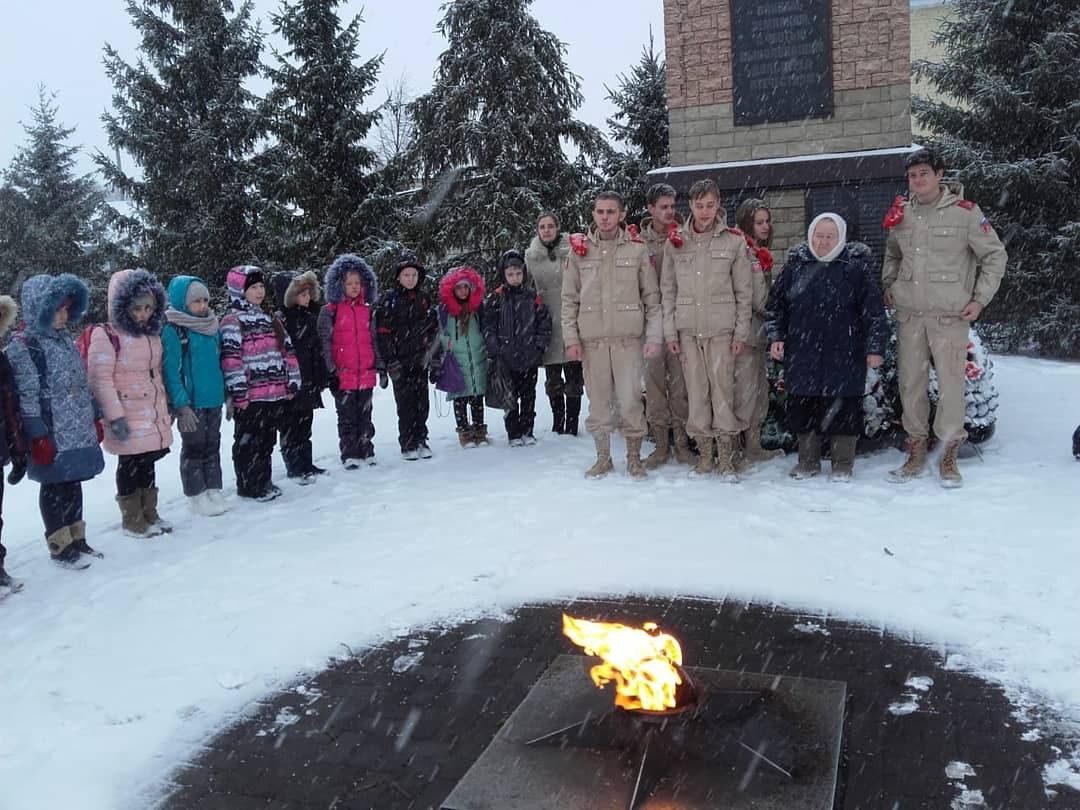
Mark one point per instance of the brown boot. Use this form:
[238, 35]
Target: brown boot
[78, 539]
[133, 520]
[479, 433]
[634, 467]
[149, 507]
[950, 472]
[59, 541]
[683, 453]
[603, 463]
[465, 437]
[842, 454]
[662, 453]
[705, 465]
[755, 453]
[726, 447]
[809, 456]
[913, 465]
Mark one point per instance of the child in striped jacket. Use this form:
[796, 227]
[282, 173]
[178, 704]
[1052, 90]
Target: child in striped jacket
[261, 374]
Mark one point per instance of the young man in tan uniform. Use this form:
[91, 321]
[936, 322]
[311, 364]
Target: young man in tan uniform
[943, 264]
[707, 292]
[611, 321]
[666, 408]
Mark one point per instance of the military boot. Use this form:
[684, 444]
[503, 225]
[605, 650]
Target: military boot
[683, 453]
[913, 465]
[809, 456]
[558, 413]
[705, 464]
[573, 410]
[634, 467]
[662, 453]
[842, 455]
[948, 469]
[603, 463]
[725, 457]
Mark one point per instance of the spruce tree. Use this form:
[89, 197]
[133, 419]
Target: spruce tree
[1008, 124]
[317, 176]
[183, 113]
[488, 134]
[51, 220]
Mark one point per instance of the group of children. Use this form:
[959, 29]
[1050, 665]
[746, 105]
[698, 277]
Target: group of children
[165, 357]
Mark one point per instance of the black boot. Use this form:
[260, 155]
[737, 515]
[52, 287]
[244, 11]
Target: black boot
[1076, 444]
[573, 410]
[558, 413]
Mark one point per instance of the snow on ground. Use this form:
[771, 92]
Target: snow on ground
[110, 677]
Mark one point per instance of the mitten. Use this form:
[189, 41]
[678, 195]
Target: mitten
[186, 420]
[42, 451]
[120, 428]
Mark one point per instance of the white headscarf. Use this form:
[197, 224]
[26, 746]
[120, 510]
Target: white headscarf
[841, 229]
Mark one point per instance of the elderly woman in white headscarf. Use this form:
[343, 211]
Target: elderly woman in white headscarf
[827, 324]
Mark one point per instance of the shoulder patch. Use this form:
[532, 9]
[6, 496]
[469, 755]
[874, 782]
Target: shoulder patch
[967, 204]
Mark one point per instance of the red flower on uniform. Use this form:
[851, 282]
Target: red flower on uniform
[764, 257]
[578, 244]
[972, 370]
[895, 214]
[632, 232]
[674, 236]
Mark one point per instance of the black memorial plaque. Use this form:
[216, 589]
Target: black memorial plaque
[782, 56]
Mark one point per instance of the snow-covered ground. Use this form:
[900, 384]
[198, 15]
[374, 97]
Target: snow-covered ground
[111, 676]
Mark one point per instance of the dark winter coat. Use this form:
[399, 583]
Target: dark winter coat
[54, 395]
[407, 327]
[517, 326]
[347, 327]
[12, 443]
[829, 316]
[302, 324]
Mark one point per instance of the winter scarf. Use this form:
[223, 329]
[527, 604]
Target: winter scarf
[205, 325]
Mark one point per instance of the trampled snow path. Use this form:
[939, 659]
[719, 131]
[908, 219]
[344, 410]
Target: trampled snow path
[111, 676]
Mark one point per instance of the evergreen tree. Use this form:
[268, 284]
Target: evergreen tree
[51, 220]
[183, 113]
[640, 124]
[317, 176]
[488, 134]
[1009, 125]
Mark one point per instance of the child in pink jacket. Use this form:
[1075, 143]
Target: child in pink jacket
[124, 369]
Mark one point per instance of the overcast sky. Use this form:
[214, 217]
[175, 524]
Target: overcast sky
[59, 43]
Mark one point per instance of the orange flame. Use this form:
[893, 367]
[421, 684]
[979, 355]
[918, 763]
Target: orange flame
[640, 662]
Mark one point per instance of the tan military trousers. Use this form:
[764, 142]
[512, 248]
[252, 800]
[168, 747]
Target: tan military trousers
[944, 339]
[613, 370]
[751, 386]
[709, 367]
[665, 390]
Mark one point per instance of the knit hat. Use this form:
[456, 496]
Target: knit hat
[239, 278]
[196, 290]
[251, 279]
[408, 261]
[511, 258]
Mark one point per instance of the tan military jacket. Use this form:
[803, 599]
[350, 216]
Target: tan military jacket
[654, 241]
[941, 257]
[706, 285]
[610, 292]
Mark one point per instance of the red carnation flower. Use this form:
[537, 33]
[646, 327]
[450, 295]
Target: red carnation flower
[578, 244]
[895, 214]
[674, 236]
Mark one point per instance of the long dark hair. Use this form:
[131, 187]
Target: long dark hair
[744, 219]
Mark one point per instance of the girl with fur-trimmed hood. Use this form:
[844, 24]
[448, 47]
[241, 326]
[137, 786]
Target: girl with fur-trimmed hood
[261, 375]
[461, 337]
[57, 410]
[297, 296]
[124, 366]
[350, 348]
[191, 342]
[12, 445]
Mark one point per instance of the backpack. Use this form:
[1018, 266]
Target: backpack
[82, 343]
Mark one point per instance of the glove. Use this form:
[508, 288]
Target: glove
[230, 409]
[99, 426]
[120, 429]
[186, 420]
[384, 380]
[394, 370]
[18, 470]
[42, 451]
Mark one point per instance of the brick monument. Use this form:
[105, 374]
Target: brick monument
[806, 103]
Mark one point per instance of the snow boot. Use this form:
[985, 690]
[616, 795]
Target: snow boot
[705, 464]
[133, 519]
[78, 539]
[634, 466]
[314, 470]
[424, 451]
[603, 463]
[1076, 444]
[149, 506]
[726, 447]
[809, 456]
[947, 467]
[410, 455]
[352, 463]
[573, 410]
[217, 498]
[271, 494]
[914, 465]
[7, 581]
[558, 414]
[465, 437]
[842, 457]
[480, 436]
[754, 453]
[683, 453]
[63, 551]
[659, 456]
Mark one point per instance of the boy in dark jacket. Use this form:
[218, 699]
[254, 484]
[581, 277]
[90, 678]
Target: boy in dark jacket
[517, 330]
[407, 328]
[12, 446]
[297, 296]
